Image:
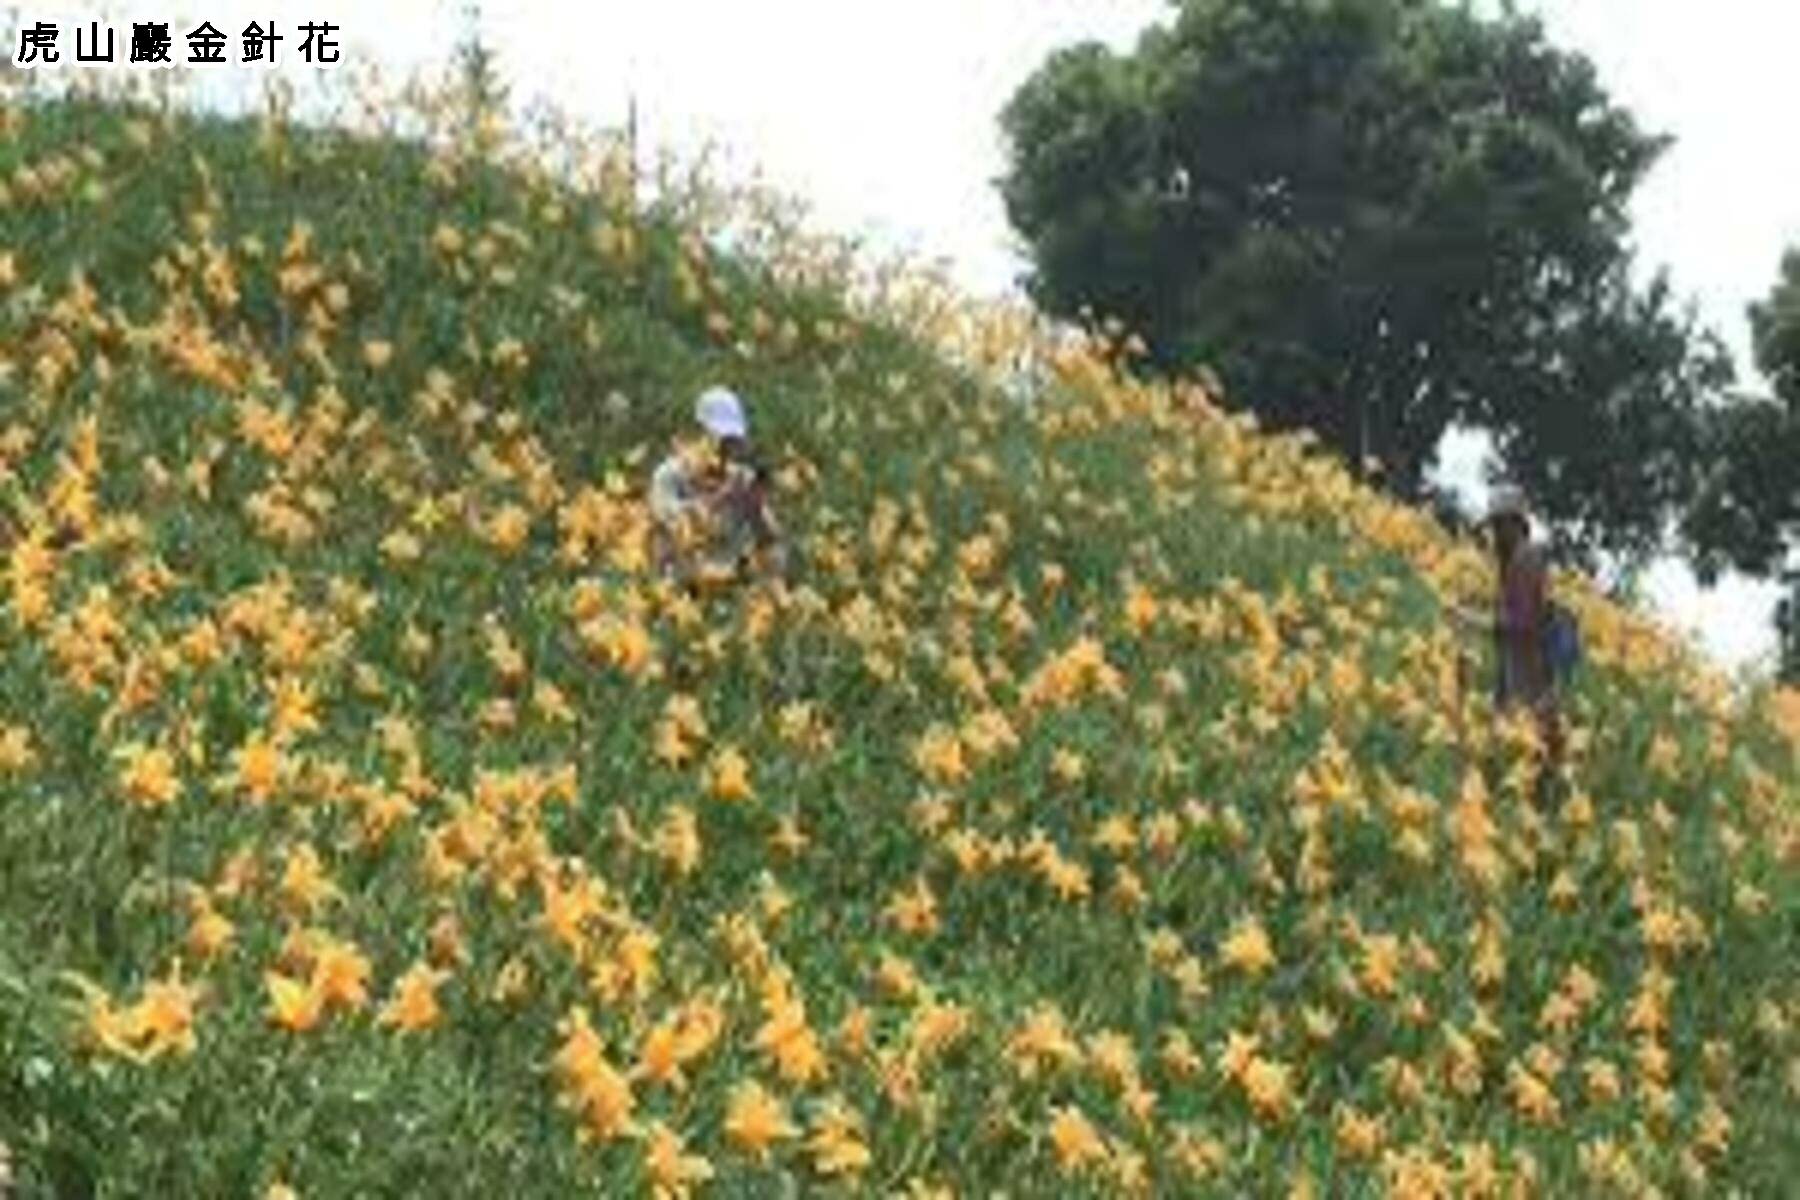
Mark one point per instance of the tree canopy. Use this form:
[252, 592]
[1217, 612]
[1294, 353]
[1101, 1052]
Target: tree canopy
[1747, 513]
[1376, 219]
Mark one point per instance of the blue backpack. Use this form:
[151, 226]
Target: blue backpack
[1562, 642]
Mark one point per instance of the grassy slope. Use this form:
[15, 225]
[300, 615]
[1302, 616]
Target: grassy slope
[1298, 613]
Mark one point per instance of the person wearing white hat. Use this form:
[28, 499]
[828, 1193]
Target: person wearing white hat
[721, 414]
[713, 497]
[1521, 617]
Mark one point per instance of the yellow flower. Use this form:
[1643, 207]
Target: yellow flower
[1358, 1136]
[16, 752]
[756, 1120]
[1488, 967]
[939, 756]
[294, 706]
[210, 934]
[1603, 1083]
[914, 911]
[238, 873]
[413, 1005]
[1178, 1054]
[669, 746]
[896, 977]
[1195, 1153]
[606, 1105]
[672, 1171]
[1663, 759]
[1381, 964]
[498, 713]
[836, 1143]
[1712, 1134]
[1141, 610]
[509, 528]
[1268, 1086]
[1074, 1138]
[599, 1093]
[582, 1051]
[935, 1027]
[631, 968]
[699, 1025]
[1110, 1053]
[105, 1025]
[1248, 948]
[730, 776]
[1414, 1174]
[550, 703]
[1240, 1051]
[340, 975]
[444, 943]
[660, 1057]
[294, 1006]
[258, 767]
[304, 884]
[627, 645]
[677, 841]
[789, 1041]
[787, 838]
[164, 1017]
[148, 777]
[1067, 767]
[402, 547]
[1532, 1097]
[511, 982]
[1043, 1039]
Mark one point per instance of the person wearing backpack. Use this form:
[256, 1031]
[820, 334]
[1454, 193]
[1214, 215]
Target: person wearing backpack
[1535, 640]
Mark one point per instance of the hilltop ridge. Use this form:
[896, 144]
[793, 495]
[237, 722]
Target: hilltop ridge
[1102, 809]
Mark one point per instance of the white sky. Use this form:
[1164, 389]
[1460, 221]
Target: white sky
[883, 117]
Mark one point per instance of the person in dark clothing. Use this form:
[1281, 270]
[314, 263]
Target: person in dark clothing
[1520, 621]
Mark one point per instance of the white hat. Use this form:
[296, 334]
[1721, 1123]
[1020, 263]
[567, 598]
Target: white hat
[721, 413]
[1506, 501]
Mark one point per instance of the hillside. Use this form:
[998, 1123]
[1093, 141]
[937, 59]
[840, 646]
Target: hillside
[1100, 812]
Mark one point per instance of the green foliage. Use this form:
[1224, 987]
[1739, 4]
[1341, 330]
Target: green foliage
[1299, 621]
[1747, 512]
[484, 88]
[1775, 328]
[1375, 218]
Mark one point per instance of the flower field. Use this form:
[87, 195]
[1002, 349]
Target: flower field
[1101, 811]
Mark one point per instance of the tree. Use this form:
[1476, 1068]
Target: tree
[1747, 513]
[1375, 218]
[484, 91]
